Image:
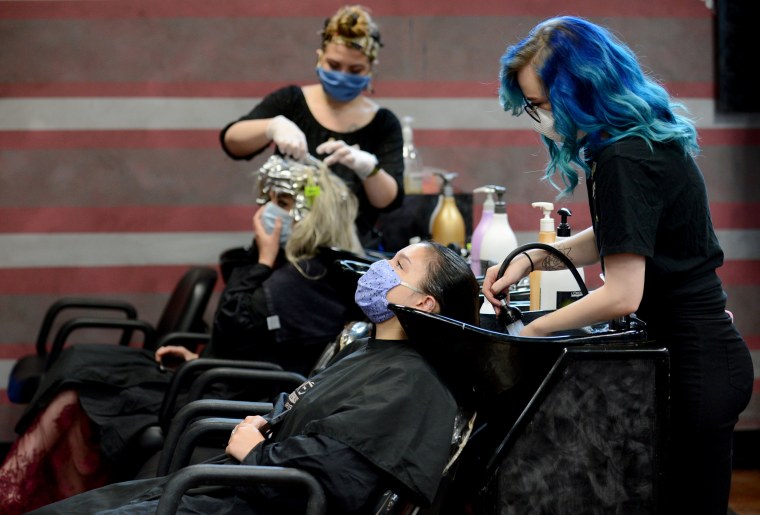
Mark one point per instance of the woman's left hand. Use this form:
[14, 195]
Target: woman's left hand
[361, 162]
[176, 351]
[245, 436]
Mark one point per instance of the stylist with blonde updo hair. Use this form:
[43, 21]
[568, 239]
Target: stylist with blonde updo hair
[334, 120]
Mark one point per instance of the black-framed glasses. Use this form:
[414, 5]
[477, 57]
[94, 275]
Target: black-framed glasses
[531, 109]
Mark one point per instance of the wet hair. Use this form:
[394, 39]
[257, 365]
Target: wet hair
[328, 223]
[595, 84]
[451, 282]
[353, 26]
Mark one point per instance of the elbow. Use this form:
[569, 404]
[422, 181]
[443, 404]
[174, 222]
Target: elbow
[625, 305]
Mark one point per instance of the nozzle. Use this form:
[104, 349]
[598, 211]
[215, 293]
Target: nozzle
[446, 187]
[547, 222]
[563, 229]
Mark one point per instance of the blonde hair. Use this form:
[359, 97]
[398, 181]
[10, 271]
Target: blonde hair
[329, 223]
[352, 26]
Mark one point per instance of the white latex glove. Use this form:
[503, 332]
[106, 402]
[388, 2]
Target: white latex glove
[290, 140]
[361, 162]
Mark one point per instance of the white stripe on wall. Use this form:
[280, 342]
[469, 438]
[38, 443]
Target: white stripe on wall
[213, 113]
[117, 249]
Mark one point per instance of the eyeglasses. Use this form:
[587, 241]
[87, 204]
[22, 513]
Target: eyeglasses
[531, 109]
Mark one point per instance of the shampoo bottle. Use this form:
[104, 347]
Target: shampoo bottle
[499, 238]
[481, 228]
[545, 235]
[559, 288]
[448, 223]
[412, 163]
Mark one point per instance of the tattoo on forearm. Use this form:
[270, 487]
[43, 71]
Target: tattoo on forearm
[552, 262]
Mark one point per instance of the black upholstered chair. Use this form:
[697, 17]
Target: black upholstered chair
[183, 312]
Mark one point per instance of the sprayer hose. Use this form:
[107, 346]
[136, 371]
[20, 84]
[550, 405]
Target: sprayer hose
[543, 246]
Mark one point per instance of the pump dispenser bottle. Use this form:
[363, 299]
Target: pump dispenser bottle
[447, 222]
[480, 230]
[499, 238]
[545, 235]
[413, 175]
[559, 288]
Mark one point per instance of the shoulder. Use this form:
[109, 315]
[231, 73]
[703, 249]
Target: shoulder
[387, 118]
[622, 149]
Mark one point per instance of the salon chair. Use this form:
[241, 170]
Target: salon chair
[235, 475]
[253, 381]
[183, 312]
[189, 430]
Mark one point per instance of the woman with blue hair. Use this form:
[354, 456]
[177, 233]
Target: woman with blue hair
[599, 114]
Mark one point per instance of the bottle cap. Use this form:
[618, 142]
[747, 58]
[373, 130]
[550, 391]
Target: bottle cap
[547, 222]
[488, 203]
[563, 229]
[500, 206]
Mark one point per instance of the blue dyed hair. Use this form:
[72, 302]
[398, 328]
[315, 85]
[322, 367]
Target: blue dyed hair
[595, 84]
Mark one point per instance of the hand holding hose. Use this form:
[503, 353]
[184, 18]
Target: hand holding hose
[498, 279]
[496, 288]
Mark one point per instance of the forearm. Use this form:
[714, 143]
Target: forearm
[580, 249]
[619, 296]
[598, 306]
[381, 189]
[247, 136]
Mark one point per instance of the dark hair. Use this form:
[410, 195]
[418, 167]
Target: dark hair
[450, 280]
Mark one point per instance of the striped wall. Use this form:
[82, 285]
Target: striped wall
[112, 180]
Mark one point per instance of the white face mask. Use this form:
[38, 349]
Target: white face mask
[546, 126]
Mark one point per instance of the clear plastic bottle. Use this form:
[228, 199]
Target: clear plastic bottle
[413, 173]
[546, 235]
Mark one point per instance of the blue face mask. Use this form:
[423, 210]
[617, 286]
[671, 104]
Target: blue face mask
[272, 212]
[342, 86]
[372, 290]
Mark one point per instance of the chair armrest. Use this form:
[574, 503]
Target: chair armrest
[239, 475]
[190, 370]
[81, 303]
[98, 323]
[204, 408]
[187, 340]
[193, 435]
[283, 380]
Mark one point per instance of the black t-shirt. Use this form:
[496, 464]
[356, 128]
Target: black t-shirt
[381, 137]
[653, 202]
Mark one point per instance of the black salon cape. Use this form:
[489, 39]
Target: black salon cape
[111, 380]
[384, 403]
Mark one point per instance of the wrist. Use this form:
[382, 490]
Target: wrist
[269, 132]
[530, 261]
[374, 171]
[369, 167]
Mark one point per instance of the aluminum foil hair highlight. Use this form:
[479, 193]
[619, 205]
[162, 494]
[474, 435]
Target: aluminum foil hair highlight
[284, 175]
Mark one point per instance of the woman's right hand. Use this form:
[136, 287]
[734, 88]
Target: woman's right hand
[289, 138]
[267, 244]
[517, 269]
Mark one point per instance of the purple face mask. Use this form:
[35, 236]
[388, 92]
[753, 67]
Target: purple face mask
[372, 291]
